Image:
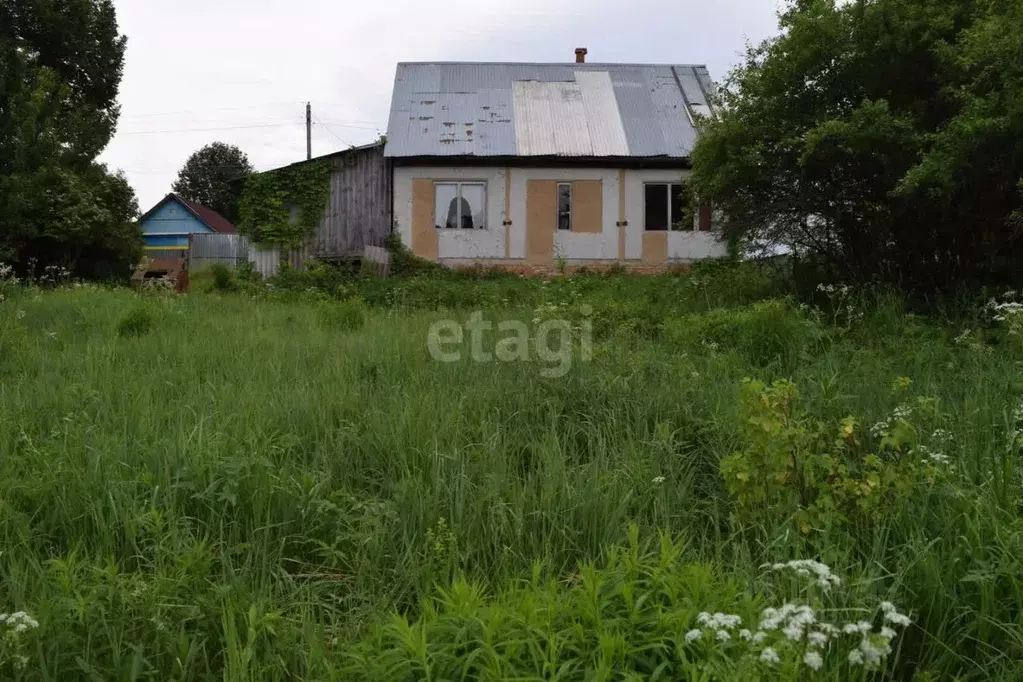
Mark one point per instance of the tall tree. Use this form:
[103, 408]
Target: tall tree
[215, 176]
[61, 63]
[882, 137]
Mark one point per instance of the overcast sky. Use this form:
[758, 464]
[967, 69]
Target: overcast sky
[239, 71]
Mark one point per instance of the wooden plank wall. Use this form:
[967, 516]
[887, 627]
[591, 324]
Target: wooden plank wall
[359, 212]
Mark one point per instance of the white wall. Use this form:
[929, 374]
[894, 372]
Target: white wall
[489, 243]
[568, 245]
[455, 244]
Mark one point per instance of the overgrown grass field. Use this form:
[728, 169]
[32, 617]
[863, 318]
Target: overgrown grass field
[288, 486]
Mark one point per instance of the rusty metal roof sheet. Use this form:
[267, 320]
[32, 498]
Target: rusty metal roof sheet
[571, 110]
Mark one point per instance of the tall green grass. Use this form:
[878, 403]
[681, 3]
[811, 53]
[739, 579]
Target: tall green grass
[246, 487]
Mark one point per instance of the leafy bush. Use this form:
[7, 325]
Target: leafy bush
[223, 277]
[315, 276]
[645, 615]
[792, 466]
[137, 321]
[403, 261]
[347, 315]
[771, 331]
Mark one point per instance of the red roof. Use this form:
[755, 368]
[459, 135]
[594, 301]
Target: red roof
[213, 220]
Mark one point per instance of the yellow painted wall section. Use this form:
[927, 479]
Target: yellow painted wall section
[587, 206]
[541, 219]
[655, 248]
[424, 228]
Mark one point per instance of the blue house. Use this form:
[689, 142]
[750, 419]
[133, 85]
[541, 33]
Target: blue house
[166, 226]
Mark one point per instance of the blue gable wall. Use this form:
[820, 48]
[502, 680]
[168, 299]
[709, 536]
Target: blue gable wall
[169, 226]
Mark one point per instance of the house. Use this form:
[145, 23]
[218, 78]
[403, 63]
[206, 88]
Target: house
[529, 166]
[166, 227]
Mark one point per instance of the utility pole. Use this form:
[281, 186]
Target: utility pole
[308, 130]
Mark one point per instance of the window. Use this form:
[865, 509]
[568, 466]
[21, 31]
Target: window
[665, 207]
[564, 206]
[460, 205]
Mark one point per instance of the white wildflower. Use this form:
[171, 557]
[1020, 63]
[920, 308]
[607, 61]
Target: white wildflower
[745, 635]
[813, 659]
[659, 480]
[888, 633]
[759, 637]
[896, 618]
[803, 616]
[693, 635]
[887, 607]
[903, 412]
[769, 656]
[817, 639]
[794, 631]
[871, 653]
[719, 621]
[856, 657]
[806, 567]
[722, 635]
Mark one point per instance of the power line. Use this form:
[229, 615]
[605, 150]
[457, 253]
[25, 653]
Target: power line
[342, 124]
[156, 114]
[208, 130]
[327, 128]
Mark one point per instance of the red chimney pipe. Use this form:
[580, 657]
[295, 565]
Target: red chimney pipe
[580, 55]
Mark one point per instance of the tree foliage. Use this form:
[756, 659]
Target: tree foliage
[884, 137]
[215, 176]
[61, 63]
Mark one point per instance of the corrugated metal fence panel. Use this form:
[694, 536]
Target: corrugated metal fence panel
[208, 248]
[265, 261]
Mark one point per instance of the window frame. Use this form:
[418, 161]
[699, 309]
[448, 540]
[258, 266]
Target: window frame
[458, 197]
[558, 211]
[669, 211]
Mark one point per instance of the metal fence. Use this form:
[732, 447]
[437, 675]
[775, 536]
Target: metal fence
[233, 250]
[205, 249]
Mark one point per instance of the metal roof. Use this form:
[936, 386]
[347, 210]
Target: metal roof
[571, 110]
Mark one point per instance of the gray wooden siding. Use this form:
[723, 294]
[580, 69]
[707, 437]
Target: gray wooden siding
[359, 212]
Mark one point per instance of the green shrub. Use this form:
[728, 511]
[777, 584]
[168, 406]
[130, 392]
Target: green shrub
[764, 332]
[823, 475]
[246, 272]
[347, 315]
[137, 321]
[644, 615]
[403, 261]
[223, 277]
[315, 276]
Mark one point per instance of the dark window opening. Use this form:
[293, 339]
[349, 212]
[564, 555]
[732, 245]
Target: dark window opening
[656, 207]
[667, 207]
[680, 218]
[564, 206]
